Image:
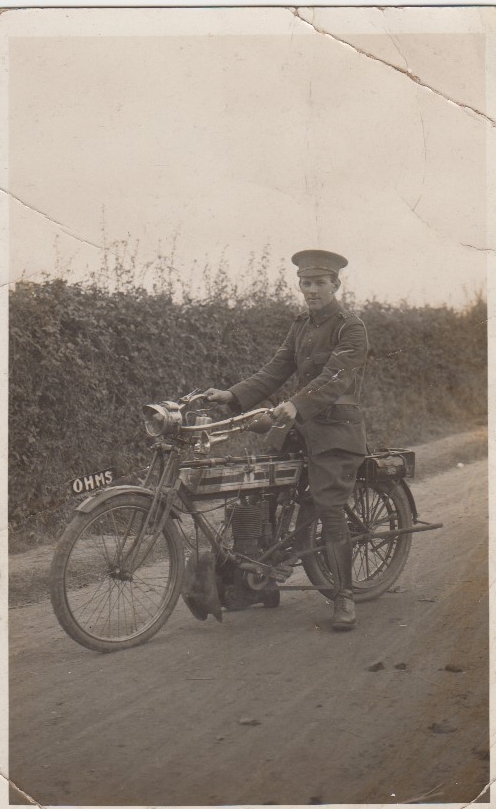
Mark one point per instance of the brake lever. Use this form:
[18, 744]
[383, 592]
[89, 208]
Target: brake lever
[191, 397]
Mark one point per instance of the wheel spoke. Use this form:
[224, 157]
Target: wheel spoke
[146, 585]
[92, 595]
[360, 557]
[100, 606]
[367, 568]
[115, 535]
[131, 597]
[376, 507]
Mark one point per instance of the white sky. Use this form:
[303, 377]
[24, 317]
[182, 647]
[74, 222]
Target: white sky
[197, 126]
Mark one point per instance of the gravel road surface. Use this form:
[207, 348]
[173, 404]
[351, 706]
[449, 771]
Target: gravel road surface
[271, 707]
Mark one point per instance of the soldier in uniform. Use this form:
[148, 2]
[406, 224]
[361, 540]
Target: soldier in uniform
[327, 348]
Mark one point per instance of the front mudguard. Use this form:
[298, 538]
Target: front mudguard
[96, 499]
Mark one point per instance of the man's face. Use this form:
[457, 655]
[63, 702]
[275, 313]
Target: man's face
[318, 290]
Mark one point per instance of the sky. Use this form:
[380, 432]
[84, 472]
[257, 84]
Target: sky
[220, 134]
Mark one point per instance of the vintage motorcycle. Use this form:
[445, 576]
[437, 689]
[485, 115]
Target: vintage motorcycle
[244, 524]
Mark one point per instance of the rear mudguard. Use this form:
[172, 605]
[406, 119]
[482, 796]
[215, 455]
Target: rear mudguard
[105, 494]
[411, 502]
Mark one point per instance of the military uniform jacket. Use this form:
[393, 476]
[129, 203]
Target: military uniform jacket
[327, 349]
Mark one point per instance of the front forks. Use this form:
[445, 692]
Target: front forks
[169, 475]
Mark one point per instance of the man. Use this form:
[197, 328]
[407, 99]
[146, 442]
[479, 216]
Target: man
[327, 348]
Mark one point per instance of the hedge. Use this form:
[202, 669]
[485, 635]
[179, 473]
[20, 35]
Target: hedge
[83, 360]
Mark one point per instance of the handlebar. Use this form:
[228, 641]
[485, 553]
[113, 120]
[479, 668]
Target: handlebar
[166, 419]
[230, 422]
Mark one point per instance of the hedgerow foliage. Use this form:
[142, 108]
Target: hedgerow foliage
[83, 361]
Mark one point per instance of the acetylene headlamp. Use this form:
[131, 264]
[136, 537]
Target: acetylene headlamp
[162, 419]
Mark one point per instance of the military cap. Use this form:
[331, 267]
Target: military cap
[318, 262]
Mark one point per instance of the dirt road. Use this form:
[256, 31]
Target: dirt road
[160, 724]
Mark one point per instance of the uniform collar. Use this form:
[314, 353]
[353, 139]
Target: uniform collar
[323, 314]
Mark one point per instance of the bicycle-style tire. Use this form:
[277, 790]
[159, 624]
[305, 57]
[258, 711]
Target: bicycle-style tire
[99, 603]
[377, 563]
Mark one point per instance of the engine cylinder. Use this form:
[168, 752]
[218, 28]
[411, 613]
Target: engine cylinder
[247, 522]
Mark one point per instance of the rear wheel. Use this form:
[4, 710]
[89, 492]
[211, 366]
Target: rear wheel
[377, 562]
[103, 598]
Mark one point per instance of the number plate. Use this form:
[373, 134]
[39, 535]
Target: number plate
[96, 480]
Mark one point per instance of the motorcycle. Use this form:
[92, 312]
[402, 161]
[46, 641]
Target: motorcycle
[223, 532]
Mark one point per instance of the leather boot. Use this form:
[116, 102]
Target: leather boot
[339, 554]
[344, 612]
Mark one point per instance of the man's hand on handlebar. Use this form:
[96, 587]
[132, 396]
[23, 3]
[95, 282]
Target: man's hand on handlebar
[220, 396]
[284, 413]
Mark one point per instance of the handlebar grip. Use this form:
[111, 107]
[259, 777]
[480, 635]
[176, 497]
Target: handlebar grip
[261, 424]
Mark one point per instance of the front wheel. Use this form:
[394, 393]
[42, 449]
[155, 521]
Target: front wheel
[377, 561]
[105, 598]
